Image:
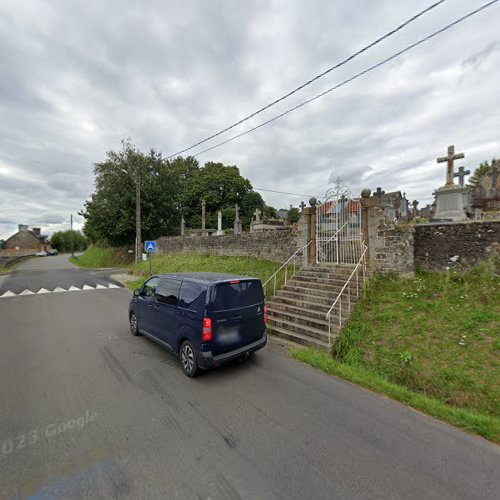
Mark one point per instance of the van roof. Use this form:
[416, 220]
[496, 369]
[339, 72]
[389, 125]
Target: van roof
[208, 277]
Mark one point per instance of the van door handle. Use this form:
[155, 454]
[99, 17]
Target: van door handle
[237, 317]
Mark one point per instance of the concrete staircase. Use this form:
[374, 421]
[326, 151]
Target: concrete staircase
[298, 311]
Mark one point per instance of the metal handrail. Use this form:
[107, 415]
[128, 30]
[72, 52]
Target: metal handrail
[301, 249]
[328, 314]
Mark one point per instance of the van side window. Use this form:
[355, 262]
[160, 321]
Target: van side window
[192, 296]
[168, 291]
[148, 289]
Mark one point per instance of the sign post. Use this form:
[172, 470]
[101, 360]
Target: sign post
[150, 247]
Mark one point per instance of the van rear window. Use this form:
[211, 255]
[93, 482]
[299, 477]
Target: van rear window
[234, 295]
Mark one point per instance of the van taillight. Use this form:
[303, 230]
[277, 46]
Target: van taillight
[265, 315]
[206, 334]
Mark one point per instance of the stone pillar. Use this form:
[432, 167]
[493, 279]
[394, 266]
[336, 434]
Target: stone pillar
[237, 222]
[183, 226]
[312, 230]
[219, 223]
[203, 215]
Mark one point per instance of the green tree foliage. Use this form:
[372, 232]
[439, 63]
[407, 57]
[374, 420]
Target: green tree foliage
[169, 189]
[483, 168]
[65, 241]
[293, 215]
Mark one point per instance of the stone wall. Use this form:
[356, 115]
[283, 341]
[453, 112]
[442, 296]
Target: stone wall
[455, 245]
[390, 245]
[276, 245]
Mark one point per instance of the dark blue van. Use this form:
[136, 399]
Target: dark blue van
[205, 318]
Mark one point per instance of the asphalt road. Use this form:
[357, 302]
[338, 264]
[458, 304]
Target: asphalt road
[89, 411]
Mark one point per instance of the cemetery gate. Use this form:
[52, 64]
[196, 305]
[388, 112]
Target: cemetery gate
[338, 230]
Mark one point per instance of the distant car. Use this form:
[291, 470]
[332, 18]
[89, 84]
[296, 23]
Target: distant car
[53, 251]
[41, 253]
[205, 318]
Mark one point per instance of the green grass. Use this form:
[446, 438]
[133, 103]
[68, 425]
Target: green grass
[472, 421]
[185, 262]
[435, 337]
[100, 257]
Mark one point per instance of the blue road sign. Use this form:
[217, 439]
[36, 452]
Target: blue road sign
[150, 246]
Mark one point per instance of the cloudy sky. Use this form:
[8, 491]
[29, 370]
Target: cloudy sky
[77, 76]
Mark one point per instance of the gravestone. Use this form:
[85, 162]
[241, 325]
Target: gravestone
[237, 222]
[257, 214]
[451, 200]
[461, 174]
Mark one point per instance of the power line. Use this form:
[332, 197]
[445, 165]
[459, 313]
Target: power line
[317, 77]
[284, 192]
[364, 72]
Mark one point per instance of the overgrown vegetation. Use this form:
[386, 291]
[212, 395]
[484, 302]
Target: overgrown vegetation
[98, 257]
[65, 241]
[436, 335]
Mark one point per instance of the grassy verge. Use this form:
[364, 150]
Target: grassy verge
[185, 262]
[101, 257]
[487, 426]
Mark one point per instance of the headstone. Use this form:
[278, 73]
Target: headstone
[451, 200]
[237, 221]
[257, 214]
[183, 226]
[219, 223]
[302, 206]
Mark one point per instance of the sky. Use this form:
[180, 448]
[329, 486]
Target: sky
[78, 76]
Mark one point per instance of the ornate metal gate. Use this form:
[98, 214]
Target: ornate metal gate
[338, 229]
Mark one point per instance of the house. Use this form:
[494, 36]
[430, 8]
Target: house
[27, 241]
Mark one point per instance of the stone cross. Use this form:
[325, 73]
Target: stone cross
[183, 226]
[257, 214]
[450, 161]
[415, 203]
[461, 174]
[302, 206]
[379, 192]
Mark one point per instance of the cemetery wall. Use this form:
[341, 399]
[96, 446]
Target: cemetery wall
[276, 245]
[455, 245]
[390, 245]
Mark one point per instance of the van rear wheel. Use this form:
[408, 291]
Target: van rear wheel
[189, 363]
[134, 326]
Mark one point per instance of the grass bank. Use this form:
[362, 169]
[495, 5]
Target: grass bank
[101, 257]
[432, 342]
[185, 262]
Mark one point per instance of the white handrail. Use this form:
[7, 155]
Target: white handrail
[328, 314]
[301, 249]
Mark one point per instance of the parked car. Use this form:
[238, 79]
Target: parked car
[205, 318]
[52, 251]
[41, 253]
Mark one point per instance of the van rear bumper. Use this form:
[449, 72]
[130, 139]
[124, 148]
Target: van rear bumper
[207, 360]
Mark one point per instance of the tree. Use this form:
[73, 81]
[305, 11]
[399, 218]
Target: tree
[249, 203]
[293, 215]
[483, 169]
[65, 241]
[110, 212]
[269, 212]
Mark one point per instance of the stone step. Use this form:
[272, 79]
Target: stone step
[319, 281]
[298, 338]
[335, 287]
[311, 325]
[312, 290]
[319, 299]
[304, 303]
[311, 310]
[291, 324]
[329, 269]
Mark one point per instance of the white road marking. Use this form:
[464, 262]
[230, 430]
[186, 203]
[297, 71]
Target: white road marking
[72, 288]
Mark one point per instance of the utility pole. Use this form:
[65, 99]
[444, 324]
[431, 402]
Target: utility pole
[72, 237]
[138, 242]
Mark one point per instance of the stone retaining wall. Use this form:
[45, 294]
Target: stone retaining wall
[276, 245]
[455, 245]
